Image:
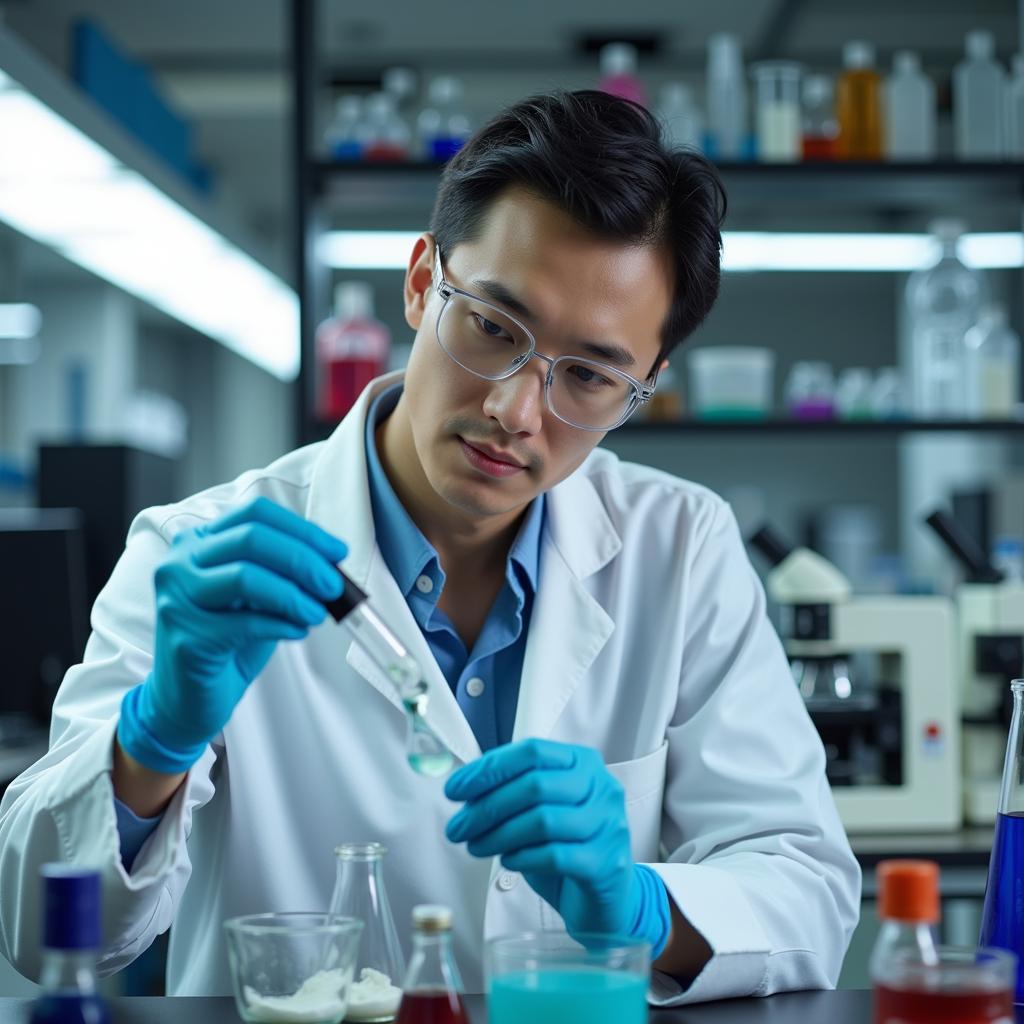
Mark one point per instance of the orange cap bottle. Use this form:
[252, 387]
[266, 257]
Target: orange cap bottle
[908, 890]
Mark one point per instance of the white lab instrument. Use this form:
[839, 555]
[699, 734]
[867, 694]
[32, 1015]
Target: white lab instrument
[913, 639]
[990, 612]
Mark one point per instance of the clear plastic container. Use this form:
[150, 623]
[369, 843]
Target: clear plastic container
[854, 394]
[910, 110]
[859, 104]
[618, 62]
[681, 118]
[731, 382]
[442, 127]
[979, 94]
[992, 365]
[1015, 111]
[811, 391]
[820, 127]
[726, 98]
[384, 132]
[888, 394]
[344, 135]
[778, 115]
[943, 303]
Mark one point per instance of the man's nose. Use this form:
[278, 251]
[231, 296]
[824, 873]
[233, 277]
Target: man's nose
[517, 402]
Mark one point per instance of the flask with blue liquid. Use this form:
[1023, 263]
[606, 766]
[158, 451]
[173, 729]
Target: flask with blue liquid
[1002, 917]
[71, 938]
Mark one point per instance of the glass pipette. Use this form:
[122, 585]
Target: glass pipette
[424, 749]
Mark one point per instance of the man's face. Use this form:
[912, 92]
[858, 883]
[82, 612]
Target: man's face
[575, 288]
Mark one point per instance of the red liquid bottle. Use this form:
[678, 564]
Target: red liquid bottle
[432, 990]
[351, 350]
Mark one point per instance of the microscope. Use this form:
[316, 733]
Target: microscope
[877, 675]
[991, 643]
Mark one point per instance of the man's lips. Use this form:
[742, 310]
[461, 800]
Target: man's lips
[494, 453]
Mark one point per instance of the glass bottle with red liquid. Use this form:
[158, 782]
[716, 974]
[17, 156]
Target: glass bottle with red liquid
[917, 981]
[351, 350]
[1002, 916]
[432, 990]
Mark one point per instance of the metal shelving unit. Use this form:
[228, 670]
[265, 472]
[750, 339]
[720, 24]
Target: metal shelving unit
[893, 193]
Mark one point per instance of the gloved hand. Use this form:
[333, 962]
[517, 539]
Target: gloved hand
[554, 812]
[226, 594]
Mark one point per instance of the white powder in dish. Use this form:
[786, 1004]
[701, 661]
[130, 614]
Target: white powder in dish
[320, 1000]
[372, 996]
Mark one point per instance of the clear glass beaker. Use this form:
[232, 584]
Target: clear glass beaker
[551, 976]
[359, 892]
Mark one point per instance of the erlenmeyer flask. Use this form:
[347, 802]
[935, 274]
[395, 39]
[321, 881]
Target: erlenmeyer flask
[1002, 917]
[359, 892]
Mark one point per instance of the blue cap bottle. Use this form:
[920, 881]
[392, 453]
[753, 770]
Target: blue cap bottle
[71, 939]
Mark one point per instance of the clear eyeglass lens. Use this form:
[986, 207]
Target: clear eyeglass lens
[481, 339]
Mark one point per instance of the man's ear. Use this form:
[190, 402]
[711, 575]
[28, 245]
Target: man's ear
[419, 276]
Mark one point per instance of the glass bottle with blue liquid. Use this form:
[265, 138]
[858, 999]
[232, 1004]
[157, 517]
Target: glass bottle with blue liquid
[71, 939]
[1002, 917]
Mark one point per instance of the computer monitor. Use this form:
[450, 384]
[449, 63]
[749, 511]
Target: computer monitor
[44, 606]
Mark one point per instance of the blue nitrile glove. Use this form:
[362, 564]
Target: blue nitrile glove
[227, 592]
[555, 813]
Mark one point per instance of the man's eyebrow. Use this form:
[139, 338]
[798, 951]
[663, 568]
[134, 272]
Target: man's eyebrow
[499, 294]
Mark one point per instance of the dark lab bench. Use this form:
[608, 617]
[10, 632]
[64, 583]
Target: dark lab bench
[844, 1007]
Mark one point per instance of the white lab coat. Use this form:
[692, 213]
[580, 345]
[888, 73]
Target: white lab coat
[648, 641]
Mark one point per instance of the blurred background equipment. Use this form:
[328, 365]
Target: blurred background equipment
[878, 677]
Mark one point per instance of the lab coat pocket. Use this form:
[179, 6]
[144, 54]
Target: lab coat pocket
[643, 779]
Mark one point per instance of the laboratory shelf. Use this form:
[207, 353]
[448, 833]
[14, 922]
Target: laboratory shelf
[853, 184]
[815, 428]
[794, 429]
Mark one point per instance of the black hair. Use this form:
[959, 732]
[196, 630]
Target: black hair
[603, 161]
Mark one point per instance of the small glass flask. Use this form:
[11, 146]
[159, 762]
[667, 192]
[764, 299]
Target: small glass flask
[1002, 916]
[359, 892]
[431, 992]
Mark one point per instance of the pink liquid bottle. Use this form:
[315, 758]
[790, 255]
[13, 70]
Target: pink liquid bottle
[351, 350]
[618, 73]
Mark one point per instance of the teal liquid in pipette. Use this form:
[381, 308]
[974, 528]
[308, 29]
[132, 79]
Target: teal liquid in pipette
[555, 997]
[432, 764]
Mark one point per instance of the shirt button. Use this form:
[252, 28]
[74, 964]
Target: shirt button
[475, 686]
[424, 584]
[507, 880]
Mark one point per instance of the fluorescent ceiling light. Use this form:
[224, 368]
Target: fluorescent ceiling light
[742, 250]
[19, 320]
[62, 189]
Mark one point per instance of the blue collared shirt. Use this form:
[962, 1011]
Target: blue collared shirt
[485, 680]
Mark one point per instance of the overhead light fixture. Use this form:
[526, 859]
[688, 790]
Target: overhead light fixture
[19, 320]
[742, 250]
[63, 188]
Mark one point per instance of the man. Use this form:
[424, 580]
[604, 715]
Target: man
[632, 756]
